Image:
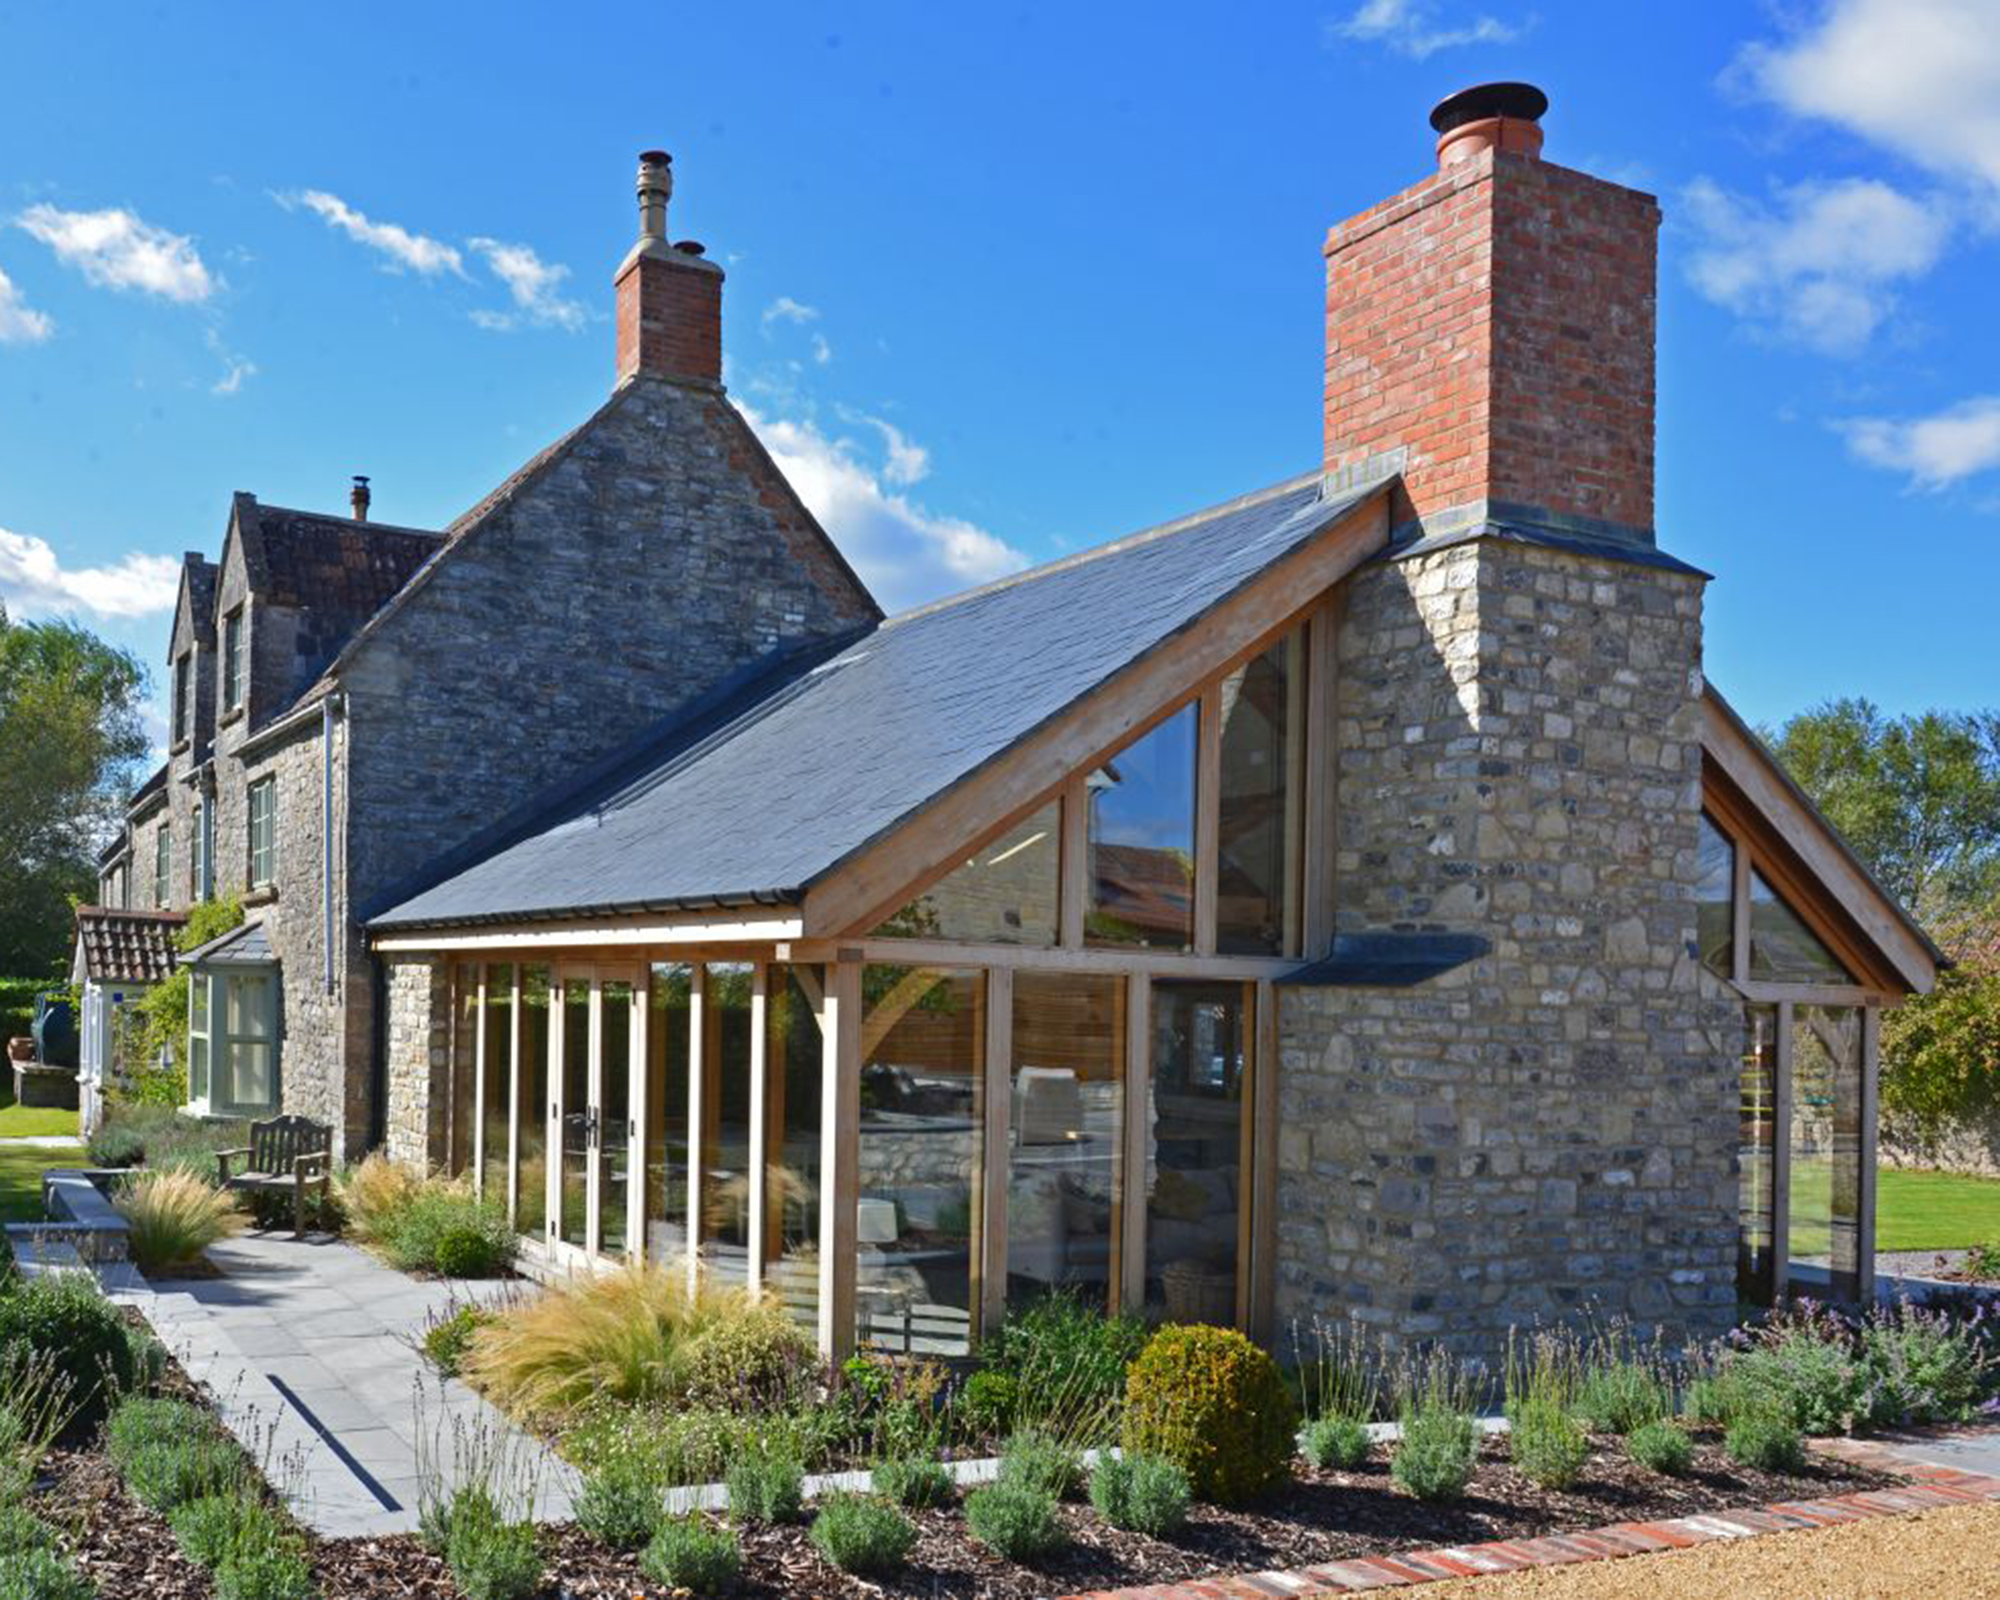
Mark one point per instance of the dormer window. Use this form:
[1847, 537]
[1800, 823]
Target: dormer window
[263, 832]
[163, 868]
[232, 660]
[183, 695]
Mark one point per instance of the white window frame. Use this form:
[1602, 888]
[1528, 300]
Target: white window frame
[262, 864]
[209, 994]
[163, 868]
[232, 660]
[183, 695]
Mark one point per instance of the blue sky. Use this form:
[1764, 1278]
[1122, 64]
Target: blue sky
[1002, 283]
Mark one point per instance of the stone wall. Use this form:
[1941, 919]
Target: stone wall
[654, 555]
[1550, 1129]
[417, 1005]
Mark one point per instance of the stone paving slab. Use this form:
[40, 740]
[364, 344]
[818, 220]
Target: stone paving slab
[309, 1350]
[1942, 1468]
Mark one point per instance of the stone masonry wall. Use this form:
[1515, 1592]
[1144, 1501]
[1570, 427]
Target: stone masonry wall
[418, 1002]
[656, 557]
[1550, 1129]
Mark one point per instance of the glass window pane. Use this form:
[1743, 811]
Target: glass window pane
[531, 1110]
[1756, 1123]
[1715, 898]
[1194, 1150]
[198, 1001]
[792, 1064]
[497, 1124]
[246, 1006]
[1005, 894]
[666, 1147]
[1141, 832]
[573, 1077]
[249, 1079]
[1259, 817]
[1065, 1083]
[464, 1059]
[1782, 948]
[725, 1133]
[197, 1069]
[923, 1057]
[1826, 1148]
[614, 1105]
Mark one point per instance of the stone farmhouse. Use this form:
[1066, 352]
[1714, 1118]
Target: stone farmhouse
[1349, 899]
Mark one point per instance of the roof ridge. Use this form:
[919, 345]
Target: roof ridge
[370, 525]
[1158, 530]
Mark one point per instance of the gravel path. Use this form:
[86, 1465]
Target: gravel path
[1939, 1554]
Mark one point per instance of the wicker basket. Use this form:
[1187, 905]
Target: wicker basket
[1196, 1293]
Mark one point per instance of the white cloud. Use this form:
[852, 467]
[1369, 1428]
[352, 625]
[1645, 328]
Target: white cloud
[117, 250]
[33, 579]
[235, 369]
[1411, 28]
[1936, 451]
[19, 322]
[904, 553]
[822, 351]
[905, 461]
[1819, 264]
[1917, 77]
[417, 252]
[786, 309]
[533, 284]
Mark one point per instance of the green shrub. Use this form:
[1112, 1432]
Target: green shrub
[1141, 1494]
[167, 1475]
[985, 1407]
[1661, 1447]
[143, 1420]
[121, 1139]
[1820, 1386]
[448, 1338]
[1043, 1463]
[42, 1575]
[767, 1485]
[490, 1557]
[1015, 1521]
[688, 1554]
[63, 1320]
[443, 1229]
[1546, 1442]
[1068, 1361]
[265, 1567]
[1210, 1401]
[1707, 1402]
[678, 1447]
[1339, 1444]
[1927, 1366]
[1621, 1395]
[757, 1359]
[918, 1482]
[621, 1502]
[21, 1530]
[862, 1534]
[1765, 1437]
[1433, 1460]
[205, 1528]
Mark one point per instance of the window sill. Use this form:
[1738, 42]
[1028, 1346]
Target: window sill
[180, 745]
[262, 895]
[235, 714]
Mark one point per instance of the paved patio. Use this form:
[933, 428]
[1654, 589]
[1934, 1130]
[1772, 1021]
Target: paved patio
[309, 1348]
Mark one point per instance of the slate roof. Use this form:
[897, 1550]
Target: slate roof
[762, 801]
[245, 946]
[333, 565]
[202, 576]
[126, 946]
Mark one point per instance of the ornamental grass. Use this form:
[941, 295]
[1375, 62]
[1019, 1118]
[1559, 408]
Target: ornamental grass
[171, 1217]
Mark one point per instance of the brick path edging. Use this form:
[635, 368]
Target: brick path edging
[1929, 1487]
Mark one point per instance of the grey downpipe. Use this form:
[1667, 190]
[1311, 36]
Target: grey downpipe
[326, 836]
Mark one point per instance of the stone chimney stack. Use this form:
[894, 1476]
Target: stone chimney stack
[669, 295]
[1495, 323]
[357, 497]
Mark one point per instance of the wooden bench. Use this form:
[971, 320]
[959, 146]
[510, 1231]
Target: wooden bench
[292, 1153]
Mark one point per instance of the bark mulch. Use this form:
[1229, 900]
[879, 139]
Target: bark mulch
[1320, 1517]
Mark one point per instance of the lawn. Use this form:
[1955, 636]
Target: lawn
[20, 1121]
[21, 1168]
[1913, 1210]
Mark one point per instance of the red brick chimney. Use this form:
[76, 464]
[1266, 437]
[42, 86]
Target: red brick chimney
[669, 296]
[1496, 323]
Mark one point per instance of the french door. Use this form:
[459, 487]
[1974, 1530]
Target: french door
[595, 1041]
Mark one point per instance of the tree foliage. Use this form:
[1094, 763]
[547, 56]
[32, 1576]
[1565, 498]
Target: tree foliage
[155, 1061]
[1942, 1050]
[1918, 797]
[70, 742]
